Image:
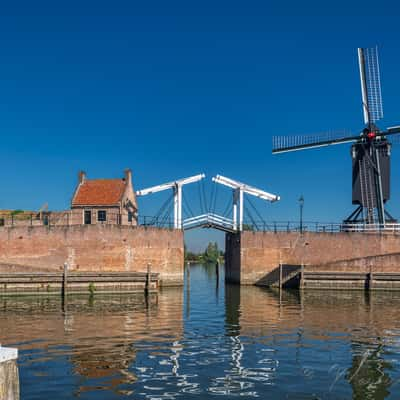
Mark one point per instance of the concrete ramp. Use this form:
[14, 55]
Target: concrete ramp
[285, 276]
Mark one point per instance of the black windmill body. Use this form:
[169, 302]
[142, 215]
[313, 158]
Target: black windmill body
[370, 150]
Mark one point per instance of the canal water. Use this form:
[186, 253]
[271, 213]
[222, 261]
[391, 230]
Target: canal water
[207, 340]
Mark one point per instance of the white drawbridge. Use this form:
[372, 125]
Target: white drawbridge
[211, 219]
[239, 189]
[176, 187]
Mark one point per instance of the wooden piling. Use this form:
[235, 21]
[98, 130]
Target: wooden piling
[370, 279]
[302, 276]
[188, 273]
[9, 376]
[148, 279]
[188, 289]
[280, 276]
[64, 289]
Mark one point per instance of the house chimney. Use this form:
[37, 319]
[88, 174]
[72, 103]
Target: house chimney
[82, 176]
[128, 175]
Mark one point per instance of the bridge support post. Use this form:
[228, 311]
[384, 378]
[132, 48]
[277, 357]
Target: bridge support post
[235, 208]
[178, 206]
[241, 205]
[238, 202]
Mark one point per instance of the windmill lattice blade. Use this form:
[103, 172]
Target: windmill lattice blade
[281, 144]
[373, 82]
[395, 139]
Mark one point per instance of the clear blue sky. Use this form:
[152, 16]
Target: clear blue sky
[171, 89]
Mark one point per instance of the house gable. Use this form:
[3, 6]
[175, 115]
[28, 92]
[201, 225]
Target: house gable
[129, 196]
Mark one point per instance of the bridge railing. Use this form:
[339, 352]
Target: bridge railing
[323, 227]
[208, 220]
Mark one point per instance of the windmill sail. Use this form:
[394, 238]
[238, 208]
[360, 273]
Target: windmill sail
[370, 150]
[282, 144]
[370, 84]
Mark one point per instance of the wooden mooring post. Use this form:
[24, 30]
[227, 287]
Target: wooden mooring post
[148, 279]
[64, 289]
[370, 279]
[9, 376]
[188, 289]
[188, 274]
[280, 270]
[302, 276]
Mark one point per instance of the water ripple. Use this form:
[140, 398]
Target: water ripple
[202, 341]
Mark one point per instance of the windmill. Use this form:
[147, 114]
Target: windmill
[370, 150]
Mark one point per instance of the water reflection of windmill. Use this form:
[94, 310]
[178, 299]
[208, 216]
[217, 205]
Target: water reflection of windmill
[370, 150]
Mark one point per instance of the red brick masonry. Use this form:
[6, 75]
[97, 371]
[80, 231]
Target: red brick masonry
[252, 255]
[95, 248]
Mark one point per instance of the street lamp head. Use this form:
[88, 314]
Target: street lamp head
[301, 204]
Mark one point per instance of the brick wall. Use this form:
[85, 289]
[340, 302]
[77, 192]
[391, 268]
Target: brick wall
[95, 248]
[261, 252]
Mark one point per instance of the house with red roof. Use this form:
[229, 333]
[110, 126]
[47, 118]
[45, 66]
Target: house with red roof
[105, 201]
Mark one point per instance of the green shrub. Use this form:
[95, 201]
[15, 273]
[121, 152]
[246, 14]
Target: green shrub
[91, 288]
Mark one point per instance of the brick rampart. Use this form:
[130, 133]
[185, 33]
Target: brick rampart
[251, 256]
[95, 248]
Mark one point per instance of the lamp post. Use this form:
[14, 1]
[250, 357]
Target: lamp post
[301, 204]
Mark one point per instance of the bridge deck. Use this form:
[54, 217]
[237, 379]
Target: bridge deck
[209, 220]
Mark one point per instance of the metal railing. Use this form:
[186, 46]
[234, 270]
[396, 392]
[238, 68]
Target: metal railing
[158, 222]
[76, 217]
[208, 220]
[322, 227]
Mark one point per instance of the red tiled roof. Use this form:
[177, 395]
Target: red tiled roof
[99, 192]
